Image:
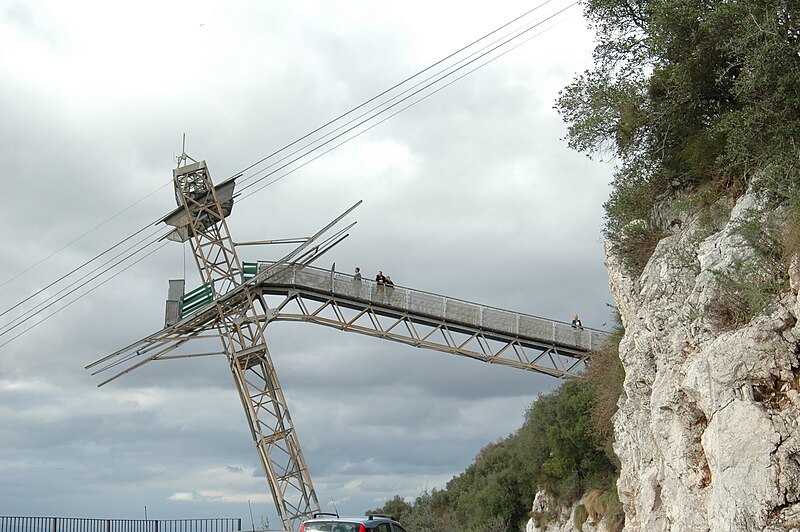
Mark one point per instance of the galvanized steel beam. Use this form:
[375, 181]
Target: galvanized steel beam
[430, 321]
[239, 312]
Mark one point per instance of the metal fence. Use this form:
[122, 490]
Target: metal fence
[440, 307]
[76, 524]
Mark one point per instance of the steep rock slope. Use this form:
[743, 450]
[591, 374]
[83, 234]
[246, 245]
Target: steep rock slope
[707, 427]
[561, 519]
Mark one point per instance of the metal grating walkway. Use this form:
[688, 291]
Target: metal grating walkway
[398, 313]
[428, 320]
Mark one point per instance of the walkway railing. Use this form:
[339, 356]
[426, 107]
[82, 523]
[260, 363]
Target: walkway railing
[439, 307]
[75, 524]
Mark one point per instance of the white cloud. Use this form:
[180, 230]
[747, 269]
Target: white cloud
[182, 496]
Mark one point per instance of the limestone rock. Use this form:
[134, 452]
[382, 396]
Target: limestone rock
[547, 517]
[707, 426]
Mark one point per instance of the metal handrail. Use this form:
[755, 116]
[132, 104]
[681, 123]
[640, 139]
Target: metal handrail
[373, 282]
[438, 306]
[78, 524]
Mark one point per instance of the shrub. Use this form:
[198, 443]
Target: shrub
[559, 448]
[396, 507]
[542, 519]
[684, 94]
[579, 516]
[609, 505]
[606, 374]
[576, 460]
[601, 505]
[744, 292]
[635, 243]
[750, 285]
[790, 236]
[430, 513]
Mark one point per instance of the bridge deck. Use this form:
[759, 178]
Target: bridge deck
[428, 307]
[417, 318]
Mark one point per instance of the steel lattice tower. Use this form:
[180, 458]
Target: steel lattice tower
[243, 340]
[232, 304]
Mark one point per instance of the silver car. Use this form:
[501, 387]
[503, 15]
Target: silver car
[325, 522]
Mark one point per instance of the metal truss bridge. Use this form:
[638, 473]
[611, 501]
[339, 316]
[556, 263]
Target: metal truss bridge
[401, 314]
[427, 320]
[237, 301]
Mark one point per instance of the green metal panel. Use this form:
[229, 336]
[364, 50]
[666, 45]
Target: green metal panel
[249, 270]
[196, 299]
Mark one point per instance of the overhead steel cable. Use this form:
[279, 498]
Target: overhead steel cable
[320, 146]
[10, 325]
[81, 237]
[438, 79]
[390, 89]
[386, 102]
[393, 114]
[65, 294]
[330, 122]
[92, 289]
[76, 269]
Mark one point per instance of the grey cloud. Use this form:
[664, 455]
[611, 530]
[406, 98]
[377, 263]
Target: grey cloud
[468, 194]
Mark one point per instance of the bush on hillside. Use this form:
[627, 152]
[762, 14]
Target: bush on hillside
[688, 96]
[558, 448]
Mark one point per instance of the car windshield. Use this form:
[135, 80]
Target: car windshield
[332, 527]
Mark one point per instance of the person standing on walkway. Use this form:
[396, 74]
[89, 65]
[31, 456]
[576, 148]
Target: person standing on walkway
[357, 282]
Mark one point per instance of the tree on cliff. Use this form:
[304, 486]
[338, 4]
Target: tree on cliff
[689, 94]
[556, 449]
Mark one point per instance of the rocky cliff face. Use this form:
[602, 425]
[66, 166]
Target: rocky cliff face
[560, 519]
[707, 427]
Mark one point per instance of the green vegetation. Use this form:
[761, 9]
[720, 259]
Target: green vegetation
[563, 447]
[749, 287]
[580, 515]
[698, 97]
[698, 101]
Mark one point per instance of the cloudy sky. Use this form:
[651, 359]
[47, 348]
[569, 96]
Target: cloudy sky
[469, 193]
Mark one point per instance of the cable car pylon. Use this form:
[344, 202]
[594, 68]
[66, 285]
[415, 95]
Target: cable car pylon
[231, 304]
[235, 312]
